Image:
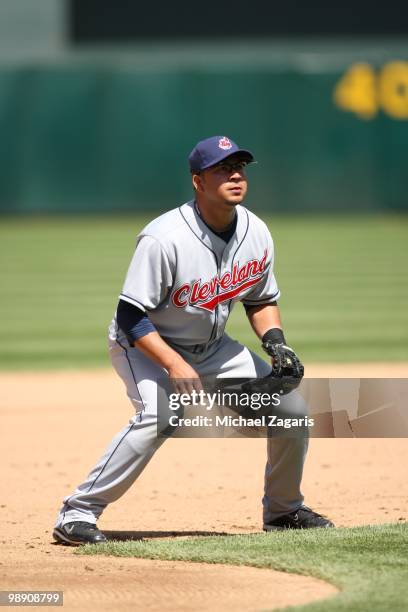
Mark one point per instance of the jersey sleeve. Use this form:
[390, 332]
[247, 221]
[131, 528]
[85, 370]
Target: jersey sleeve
[149, 277]
[266, 290]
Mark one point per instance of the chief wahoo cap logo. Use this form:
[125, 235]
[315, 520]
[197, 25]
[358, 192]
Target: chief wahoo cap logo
[224, 143]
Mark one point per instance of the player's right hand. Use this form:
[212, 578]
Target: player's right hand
[184, 378]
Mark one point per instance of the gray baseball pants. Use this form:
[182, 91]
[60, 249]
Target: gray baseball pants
[133, 447]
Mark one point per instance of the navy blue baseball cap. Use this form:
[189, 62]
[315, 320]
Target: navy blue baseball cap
[212, 150]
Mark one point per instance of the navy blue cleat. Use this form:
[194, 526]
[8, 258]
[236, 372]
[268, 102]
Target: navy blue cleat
[77, 533]
[303, 518]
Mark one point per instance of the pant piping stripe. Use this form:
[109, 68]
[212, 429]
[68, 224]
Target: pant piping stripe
[124, 436]
[110, 456]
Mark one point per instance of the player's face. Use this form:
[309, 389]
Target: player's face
[225, 182]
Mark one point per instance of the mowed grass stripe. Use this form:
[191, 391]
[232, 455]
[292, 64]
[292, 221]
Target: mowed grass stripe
[343, 282]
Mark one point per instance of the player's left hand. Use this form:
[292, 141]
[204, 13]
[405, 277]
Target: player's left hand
[285, 362]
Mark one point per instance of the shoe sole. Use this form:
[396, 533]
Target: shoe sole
[275, 528]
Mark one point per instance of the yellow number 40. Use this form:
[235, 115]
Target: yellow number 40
[364, 92]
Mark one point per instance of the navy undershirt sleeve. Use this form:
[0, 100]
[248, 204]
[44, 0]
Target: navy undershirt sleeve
[248, 307]
[133, 322]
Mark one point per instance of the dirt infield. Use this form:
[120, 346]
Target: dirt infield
[55, 425]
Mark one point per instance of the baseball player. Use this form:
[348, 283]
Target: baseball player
[190, 267]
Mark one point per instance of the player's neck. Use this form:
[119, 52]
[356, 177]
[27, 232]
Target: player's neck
[219, 218]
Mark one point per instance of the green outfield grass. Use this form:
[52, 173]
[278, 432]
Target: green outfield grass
[343, 282]
[368, 564]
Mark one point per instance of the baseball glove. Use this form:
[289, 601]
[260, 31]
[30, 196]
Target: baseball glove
[272, 384]
[287, 372]
[286, 375]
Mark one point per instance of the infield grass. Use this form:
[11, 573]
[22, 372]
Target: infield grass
[368, 564]
[343, 282]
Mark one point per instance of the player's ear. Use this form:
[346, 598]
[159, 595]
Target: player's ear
[197, 182]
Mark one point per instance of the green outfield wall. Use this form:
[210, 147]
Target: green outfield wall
[106, 132]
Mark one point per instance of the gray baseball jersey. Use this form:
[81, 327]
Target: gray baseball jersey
[188, 279]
